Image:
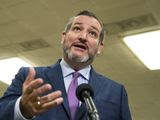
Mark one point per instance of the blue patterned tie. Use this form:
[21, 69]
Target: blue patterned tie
[72, 99]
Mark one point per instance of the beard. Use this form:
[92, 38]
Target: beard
[83, 59]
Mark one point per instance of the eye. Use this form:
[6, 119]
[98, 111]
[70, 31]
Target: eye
[93, 34]
[76, 28]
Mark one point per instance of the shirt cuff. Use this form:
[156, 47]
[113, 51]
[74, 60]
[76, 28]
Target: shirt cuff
[17, 113]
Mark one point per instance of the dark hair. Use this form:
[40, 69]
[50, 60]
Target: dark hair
[90, 14]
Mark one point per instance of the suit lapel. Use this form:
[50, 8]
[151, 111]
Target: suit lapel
[94, 82]
[56, 79]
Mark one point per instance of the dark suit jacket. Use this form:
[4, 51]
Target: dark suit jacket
[110, 97]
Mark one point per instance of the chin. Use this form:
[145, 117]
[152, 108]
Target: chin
[78, 58]
[83, 59]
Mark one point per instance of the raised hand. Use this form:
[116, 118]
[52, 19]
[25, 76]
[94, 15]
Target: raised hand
[32, 101]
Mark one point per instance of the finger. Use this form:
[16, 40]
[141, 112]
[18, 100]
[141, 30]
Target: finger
[42, 90]
[29, 89]
[46, 102]
[44, 107]
[31, 75]
[34, 85]
[50, 97]
[52, 103]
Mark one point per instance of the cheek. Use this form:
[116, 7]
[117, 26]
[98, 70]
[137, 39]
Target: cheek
[93, 45]
[67, 41]
[69, 38]
[93, 50]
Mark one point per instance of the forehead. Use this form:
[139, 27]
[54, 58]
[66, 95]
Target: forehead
[87, 20]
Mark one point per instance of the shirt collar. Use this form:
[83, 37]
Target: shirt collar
[67, 70]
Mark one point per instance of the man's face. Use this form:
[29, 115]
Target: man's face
[81, 42]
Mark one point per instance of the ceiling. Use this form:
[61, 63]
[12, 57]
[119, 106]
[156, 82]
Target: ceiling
[31, 29]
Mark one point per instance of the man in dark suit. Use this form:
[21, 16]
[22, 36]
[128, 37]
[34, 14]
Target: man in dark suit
[42, 93]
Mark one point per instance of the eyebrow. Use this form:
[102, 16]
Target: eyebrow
[78, 23]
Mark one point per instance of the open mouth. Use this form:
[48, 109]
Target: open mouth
[80, 46]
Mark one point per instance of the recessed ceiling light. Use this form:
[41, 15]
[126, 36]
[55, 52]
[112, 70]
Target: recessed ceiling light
[9, 67]
[146, 46]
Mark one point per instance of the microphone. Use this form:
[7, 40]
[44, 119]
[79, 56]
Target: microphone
[85, 94]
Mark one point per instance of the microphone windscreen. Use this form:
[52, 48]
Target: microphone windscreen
[82, 90]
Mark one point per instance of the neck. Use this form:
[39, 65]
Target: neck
[77, 65]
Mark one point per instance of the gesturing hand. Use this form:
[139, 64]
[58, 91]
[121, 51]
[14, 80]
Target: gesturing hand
[32, 101]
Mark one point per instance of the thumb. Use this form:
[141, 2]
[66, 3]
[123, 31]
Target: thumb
[31, 75]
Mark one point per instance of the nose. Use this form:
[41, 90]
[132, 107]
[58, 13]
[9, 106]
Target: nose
[83, 36]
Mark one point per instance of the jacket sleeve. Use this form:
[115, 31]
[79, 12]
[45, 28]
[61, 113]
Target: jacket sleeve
[125, 112]
[14, 91]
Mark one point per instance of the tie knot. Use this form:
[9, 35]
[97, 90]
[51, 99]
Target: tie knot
[76, 75]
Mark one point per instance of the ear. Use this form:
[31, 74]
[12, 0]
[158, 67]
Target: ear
[100, 47]
[62, 37]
